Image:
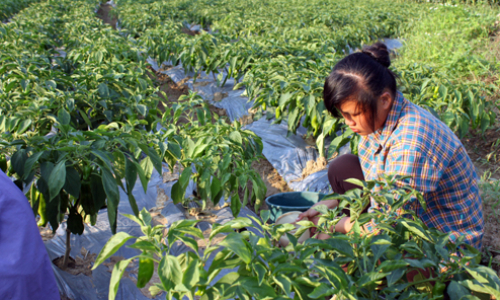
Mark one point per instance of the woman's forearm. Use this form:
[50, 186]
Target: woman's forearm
[345, 225]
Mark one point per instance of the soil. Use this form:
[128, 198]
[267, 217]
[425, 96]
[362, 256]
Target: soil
[491, 238]
[313, 167]
[484, 150]
[105, 16]
[80, 265]
[157, 217]
[46, 232]
[174, 91]
[189, 31]
[274, 182]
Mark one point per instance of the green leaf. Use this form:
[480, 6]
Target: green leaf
[370, 278]
[284, 100]
[118, 270]
[18, 161]
[391, 265]
[155, 159]
[284, 283]
[177, 193]
[144, 245]
[97, 190]
[25, 124]
[130, 176]
[142, 176]
[145, 216]
[185, 176]
[170, 272]
[395, 276]
[456, 291]
[31, 161]
[321, 291]
[113, 196]
[147, 166]
[416, 229]
[146, 270]
[261, 272]
[355, 181]
[251, 285]
[236, 243]
[56, 179]
[98, 58]
[235, 204]
[119, 164]
[142, 109]
[174, 149]
[73, 183]
[235, 137]
[103, 90]
[63, 117]
[113, 244]
[191, 275]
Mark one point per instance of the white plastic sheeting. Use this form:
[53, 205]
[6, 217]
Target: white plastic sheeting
[96, 287]
[287, 154]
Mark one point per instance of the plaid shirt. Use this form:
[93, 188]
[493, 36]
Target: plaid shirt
[415, 143]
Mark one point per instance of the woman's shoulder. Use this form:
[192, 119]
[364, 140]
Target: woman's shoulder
[419, 130]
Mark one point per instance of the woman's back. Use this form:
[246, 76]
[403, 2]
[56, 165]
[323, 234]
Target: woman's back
[414, 143]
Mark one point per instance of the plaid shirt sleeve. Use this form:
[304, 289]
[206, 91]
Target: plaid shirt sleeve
[414, 143]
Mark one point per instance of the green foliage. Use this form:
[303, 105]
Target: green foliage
[353, 266]
[10, 7]
[282, 55]
[77, 171]
[82, 126]
[216, 155]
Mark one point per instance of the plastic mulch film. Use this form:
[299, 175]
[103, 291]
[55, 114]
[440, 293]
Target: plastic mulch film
[90, 243]
[232, 101]
[94, 285]
[288, 155]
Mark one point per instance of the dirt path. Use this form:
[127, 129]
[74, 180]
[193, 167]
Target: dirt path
[103, 13]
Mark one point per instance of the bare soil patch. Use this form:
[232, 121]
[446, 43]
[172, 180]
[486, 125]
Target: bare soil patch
[490, 194]
[103, 13]
[174, 91]
[274, 182]
[484, 150]
[80, 265]
[189, 31]
[46, 232]
[313, 167]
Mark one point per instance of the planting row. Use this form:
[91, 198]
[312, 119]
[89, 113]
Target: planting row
[8, 8]
[282, 51]
[80, 119]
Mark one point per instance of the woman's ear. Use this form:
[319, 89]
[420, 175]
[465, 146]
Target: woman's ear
[385, 101]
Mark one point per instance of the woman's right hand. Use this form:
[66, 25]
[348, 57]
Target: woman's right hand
[311, 213]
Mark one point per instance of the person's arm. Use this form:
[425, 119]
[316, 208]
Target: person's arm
[311, 212]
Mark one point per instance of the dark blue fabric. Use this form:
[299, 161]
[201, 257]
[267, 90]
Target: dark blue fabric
[25, 268]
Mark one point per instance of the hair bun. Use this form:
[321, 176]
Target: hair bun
[379, 52]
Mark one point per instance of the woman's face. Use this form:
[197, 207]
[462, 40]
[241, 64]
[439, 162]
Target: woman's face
[359, 121]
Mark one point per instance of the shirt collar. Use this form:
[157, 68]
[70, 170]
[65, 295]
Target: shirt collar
[381, 136]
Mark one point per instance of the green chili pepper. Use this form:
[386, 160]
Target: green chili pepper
[438, 290]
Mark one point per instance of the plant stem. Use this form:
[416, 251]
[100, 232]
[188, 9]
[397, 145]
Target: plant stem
[68, 249]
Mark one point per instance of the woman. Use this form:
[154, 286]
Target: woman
[25, 268]
[399, 137]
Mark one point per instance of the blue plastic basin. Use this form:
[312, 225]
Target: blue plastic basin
[292, 201]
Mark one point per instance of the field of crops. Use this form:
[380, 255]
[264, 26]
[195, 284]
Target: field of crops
[91, 116]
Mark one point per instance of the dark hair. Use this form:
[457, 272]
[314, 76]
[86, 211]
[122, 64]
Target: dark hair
[364, 75]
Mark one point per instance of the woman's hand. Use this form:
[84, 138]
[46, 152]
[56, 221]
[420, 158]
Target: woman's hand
[311, 212]
[312, 215]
